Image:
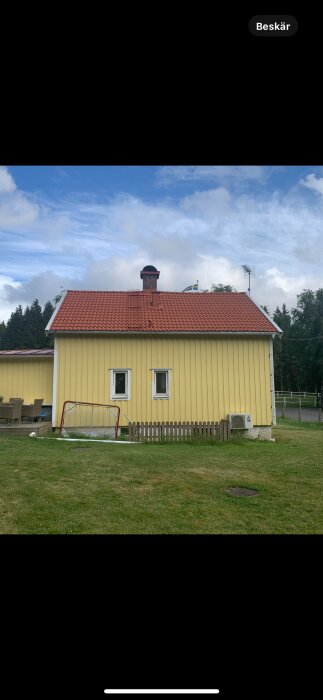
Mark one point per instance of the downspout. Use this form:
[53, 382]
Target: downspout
[55, 384]
[55, 372]
[272, 380]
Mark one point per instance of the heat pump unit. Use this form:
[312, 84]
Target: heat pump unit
[240, 421]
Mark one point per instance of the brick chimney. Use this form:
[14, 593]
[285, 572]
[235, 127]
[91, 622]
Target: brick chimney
[149, 275]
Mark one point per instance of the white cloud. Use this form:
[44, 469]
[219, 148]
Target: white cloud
[17, 212]
[286, 283]
[16, 209]
[7, 183]
[211, 203]
[6, 305]
[277, 287]
[44, 287]
[313, 182]
[80, 243]
[216, 173]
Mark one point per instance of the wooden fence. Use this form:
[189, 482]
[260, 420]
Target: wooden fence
[179, 431]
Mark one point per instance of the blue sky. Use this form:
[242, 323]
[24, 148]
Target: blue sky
[95, 227]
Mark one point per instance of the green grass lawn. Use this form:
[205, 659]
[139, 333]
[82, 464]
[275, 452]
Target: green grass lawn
[47, 486]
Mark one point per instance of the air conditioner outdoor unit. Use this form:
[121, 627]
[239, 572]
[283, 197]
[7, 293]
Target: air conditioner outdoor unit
[240, 421]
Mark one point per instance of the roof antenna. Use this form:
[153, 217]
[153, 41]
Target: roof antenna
[248, 272]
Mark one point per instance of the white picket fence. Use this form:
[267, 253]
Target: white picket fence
[210, 430]
[297, 398]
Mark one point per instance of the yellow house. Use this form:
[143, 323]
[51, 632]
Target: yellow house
[164, 356]
[27, 374]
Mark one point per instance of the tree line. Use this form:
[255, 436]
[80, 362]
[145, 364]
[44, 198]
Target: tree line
[298, 354]
[25, 329]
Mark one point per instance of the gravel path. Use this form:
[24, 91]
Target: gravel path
[309, 415]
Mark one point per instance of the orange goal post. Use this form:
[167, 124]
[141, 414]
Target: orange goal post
[89, 416]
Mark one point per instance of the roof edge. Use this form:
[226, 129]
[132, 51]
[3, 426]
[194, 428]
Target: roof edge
[269, 334]
[56, 310]
[26, 356]
[131, 291]
[279, 330]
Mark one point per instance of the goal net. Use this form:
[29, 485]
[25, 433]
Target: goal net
[89, 419]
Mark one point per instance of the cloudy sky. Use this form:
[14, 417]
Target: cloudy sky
[95, 227]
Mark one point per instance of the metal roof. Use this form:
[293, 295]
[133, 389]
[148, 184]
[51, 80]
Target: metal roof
[46, 352]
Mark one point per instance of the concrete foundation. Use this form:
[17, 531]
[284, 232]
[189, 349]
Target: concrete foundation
[259, 432]
[92, 432]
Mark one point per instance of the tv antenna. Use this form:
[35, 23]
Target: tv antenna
[248, 272]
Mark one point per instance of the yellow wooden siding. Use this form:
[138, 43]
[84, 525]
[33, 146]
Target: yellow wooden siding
[28, 379]
[209, 376]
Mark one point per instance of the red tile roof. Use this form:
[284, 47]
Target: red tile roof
[46, 352]
[163, 312]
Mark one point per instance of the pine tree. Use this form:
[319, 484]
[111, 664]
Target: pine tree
[48, 310]
[3, 330]
[308, 323]
[34, 336]
[281, 349]
[47, 314]
[14, 337]
[26, 329]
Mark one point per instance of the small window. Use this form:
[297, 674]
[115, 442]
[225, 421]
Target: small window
[120, 384]
[161, 384]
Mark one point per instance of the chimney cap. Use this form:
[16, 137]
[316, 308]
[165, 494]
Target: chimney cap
[149, 268]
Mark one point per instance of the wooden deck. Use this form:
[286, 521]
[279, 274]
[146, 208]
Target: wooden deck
[24, 428]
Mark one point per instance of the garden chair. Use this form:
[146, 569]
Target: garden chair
[11, 413]
[32, 411]
[16, 401]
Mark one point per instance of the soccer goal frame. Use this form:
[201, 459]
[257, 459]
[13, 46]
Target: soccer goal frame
[89, 403]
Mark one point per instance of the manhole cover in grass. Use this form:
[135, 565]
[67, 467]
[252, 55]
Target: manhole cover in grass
[241, 492]
[82, 448]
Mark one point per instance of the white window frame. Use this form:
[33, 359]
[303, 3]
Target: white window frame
[154, 392]
[113, 395]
